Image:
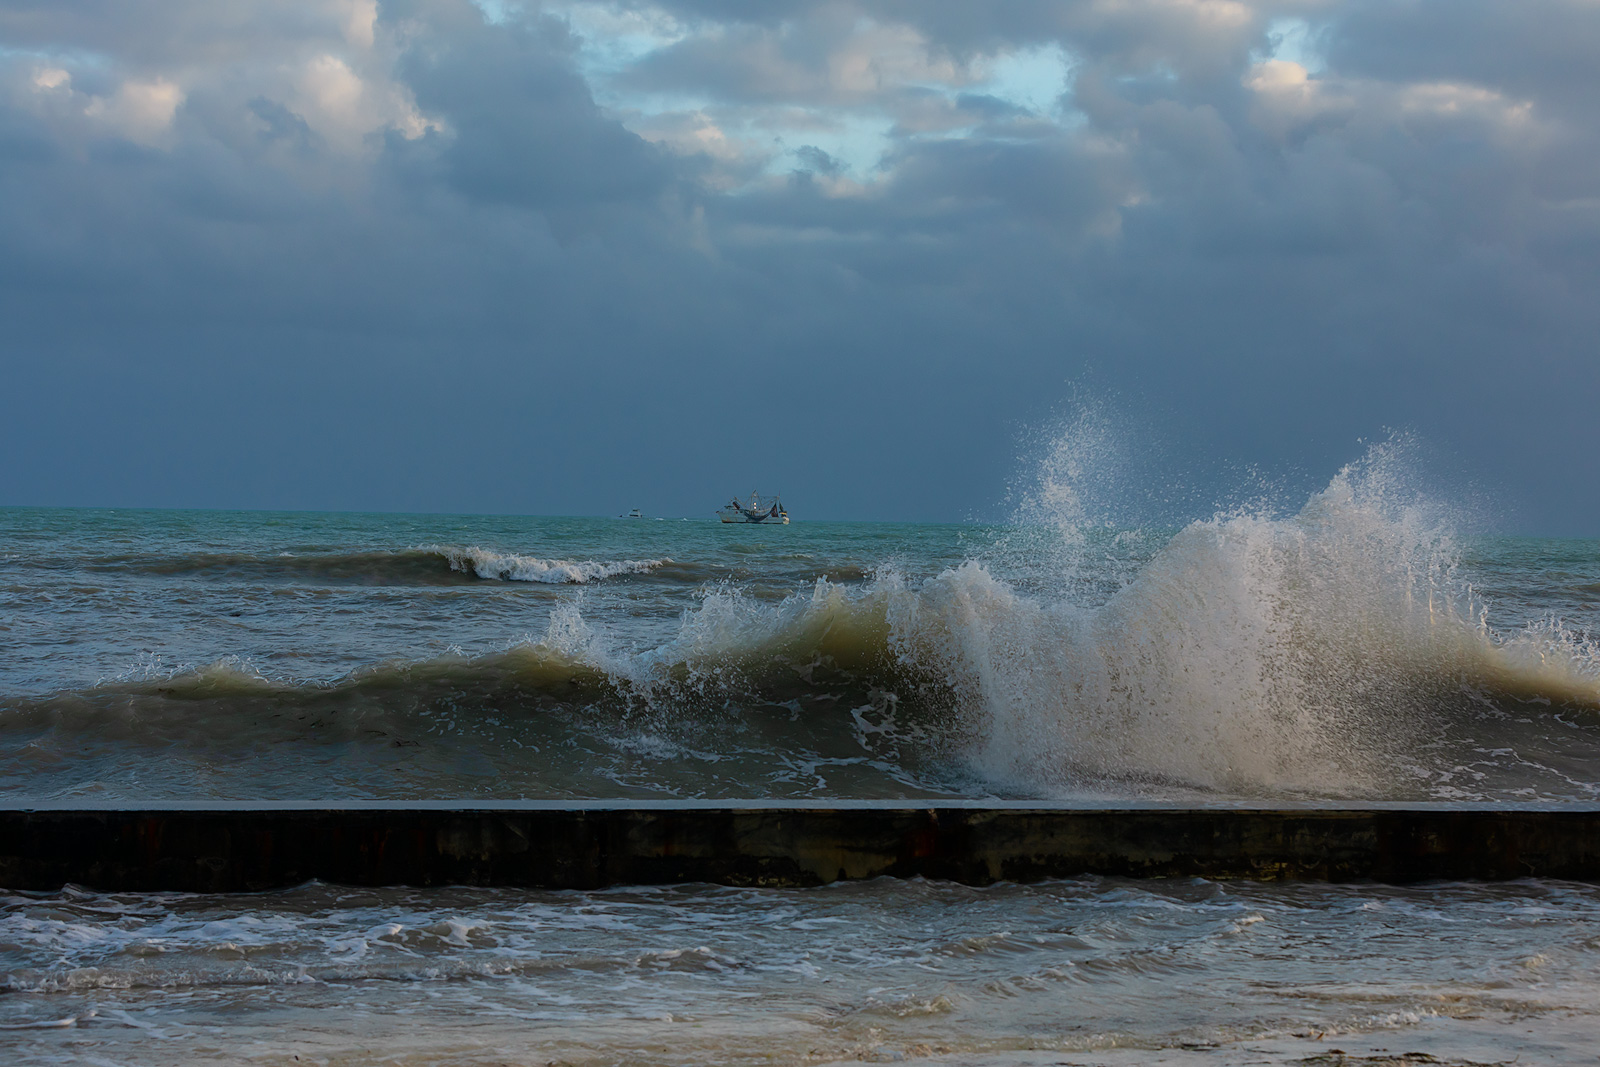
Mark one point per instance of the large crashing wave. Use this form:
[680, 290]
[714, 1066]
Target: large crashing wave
[1335, 651]
[1322, 652]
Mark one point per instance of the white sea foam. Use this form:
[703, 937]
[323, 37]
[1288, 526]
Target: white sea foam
[1252, 652]
[1314, 652]
[1332, 650]
[508, 567]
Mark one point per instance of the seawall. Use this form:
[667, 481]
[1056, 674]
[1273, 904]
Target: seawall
[214, 848]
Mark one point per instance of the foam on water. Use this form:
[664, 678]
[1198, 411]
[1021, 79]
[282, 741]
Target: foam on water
[876, 971]
[508, 567]
[1310, 652]
[1252, 652]
[1333, 649]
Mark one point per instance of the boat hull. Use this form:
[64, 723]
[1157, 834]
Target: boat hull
[728, 516]
[758, 510]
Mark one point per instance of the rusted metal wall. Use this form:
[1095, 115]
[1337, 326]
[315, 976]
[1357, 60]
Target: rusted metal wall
[259, 848]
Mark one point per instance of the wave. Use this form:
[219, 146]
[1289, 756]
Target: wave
[1335, 651]
[506, 567]
[425, 565]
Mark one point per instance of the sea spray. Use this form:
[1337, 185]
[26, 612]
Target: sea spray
[1251, 654]
[1337, 648]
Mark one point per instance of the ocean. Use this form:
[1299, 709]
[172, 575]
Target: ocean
[1355, 647]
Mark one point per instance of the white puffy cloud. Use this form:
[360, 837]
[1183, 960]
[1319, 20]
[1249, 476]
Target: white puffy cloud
[140, 110]
[47, 79]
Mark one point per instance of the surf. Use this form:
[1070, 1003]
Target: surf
[1337, 648]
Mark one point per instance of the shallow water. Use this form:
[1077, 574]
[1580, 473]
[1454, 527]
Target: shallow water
[882, 970]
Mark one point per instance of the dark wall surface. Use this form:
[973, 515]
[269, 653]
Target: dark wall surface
[261, 848]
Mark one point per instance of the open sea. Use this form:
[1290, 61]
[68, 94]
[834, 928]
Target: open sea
[1354, 649]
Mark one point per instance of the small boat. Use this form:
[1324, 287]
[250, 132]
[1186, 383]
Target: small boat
[634, 514]
[757, 510]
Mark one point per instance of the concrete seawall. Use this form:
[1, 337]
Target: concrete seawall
[552, 846]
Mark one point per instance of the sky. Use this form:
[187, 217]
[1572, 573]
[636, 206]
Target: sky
[573, 258]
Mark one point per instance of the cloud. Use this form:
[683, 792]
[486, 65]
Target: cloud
[524, 127]
[416, 254]
[138, 110]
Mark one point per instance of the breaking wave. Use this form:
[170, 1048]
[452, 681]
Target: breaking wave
[1334, 651]
[507, 567]
[426, 565]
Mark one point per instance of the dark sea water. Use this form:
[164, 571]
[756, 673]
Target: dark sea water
[1355, 649]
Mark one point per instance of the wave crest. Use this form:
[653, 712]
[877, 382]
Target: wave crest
[425, 565]
[508, 567]
[1335, 651]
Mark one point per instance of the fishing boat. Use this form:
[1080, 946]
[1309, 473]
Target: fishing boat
[757, 510]
[634, 514]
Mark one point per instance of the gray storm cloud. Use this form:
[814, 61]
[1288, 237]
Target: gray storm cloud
[435, 255]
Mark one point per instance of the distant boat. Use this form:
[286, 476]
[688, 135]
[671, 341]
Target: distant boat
[758, 510]
[634, 514]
